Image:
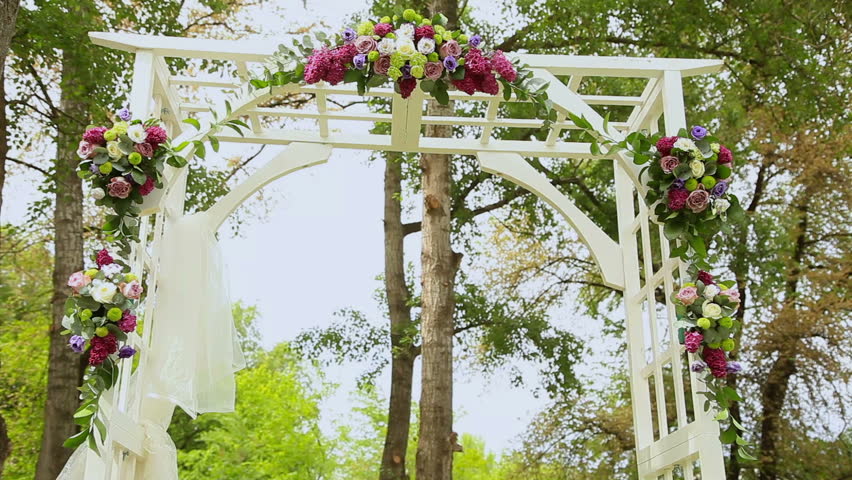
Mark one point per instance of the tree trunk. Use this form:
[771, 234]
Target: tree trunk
[65, 366]
[403, 353]
[5, 444]
[8, 16]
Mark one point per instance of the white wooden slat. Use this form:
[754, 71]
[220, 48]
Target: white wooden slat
[490, 117]
[677, 363]
[243, 74]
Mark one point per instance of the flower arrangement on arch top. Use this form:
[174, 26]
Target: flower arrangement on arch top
[124, 163]
[688, 178]
[409, 50]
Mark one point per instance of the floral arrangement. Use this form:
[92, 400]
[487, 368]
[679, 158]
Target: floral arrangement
[124, 164]
[407, 49]
[99, 316]
[687, 179]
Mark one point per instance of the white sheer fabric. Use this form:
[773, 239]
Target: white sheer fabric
[194, 350]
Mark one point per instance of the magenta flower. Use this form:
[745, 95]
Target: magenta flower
[677, 198]
[156, 135]
[665, 144]
[95, 136]
[127, 323]
[487, 83]
[147, 187]
[382, 29]
[475, 62]
[406, 86]
[424, 31]
[715, 358]
[725, 155]
[705, 277]
[692, 341]
[102, 347]
[103, 258]
[502, 65]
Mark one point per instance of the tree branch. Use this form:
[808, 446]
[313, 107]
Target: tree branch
[30, 165]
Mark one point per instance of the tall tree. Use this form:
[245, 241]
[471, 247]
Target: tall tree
[8, 17]
[439, 265]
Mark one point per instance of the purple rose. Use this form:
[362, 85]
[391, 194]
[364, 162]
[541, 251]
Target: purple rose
[678, 183]
[433, 70]
[359, 61]
[474, 40]
[382, 65]
[406, 71]
[698, 366]
[76, 342]
[719, 189]
[119, 187]
[126, 352]
[669, 163]
[698, 200]
[365, 44]
[698, 132]
[349, 35]
[124, 114]
[450, 63]
[734, 367]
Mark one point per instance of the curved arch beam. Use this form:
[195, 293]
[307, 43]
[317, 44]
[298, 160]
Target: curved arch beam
[295, 157]
[605, 251]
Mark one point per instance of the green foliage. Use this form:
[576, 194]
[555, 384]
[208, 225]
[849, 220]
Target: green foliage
[25, 319]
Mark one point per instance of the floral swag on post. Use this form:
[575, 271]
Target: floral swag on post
[687, 179]
[409, 50]
[99, 316]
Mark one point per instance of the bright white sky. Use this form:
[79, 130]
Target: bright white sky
[320, 249]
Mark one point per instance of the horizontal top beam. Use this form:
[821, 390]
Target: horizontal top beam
[259, 50]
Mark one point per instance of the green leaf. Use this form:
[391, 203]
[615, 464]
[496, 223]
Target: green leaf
[352, 76]
[200, 151]
[214, 143]
[76, 440]
[138, 177]
[722, 415]
[697, 244]
[193, 122]
[674, 229]
[439, 19]
[427, 85]
[84, 412]
[440, 94]
[376, 80]
[728, 436]
[745, 455]
[259, 83]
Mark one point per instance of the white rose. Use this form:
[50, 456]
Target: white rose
[386, 46]
[113, 150]
[697, 168]
[685, 144]
[720, 206]
[711, 310]
[710, 291]
[98, 193]
[406, 48]
[406, 30]
[426, 46]
[102, 292]
[137, 133]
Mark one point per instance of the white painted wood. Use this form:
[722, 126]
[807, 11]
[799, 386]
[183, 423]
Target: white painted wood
[295, 157]
[604, 250]
[128, 434]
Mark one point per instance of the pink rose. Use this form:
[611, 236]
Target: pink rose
[698, 200]
[132, 290]
[145, 149]
[687, 295]
[669, 163]
[119, 187]
[85, 150]
[450, 48]
[732, 294]
[78, 280]
[365, 44]
[382, 65]
[433, 70]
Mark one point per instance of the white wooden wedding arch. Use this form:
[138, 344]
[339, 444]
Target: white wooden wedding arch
[675, 438]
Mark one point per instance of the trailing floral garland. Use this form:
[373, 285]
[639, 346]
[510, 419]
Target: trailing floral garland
[125, 163]
[409, 50]
[99, 316]
[687, 177]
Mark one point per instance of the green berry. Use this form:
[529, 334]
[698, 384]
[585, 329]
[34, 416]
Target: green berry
[110, 135]
[417, 71]
[726, 322]
[704, 323]
[723, 171]
[373, 56]
[438, 39]
[714, 345]
[409, 14]
[461, 61]
[708, 182]
[390, 35]
[82, 174]
[728, 344]
[433, 57]
[463, 38]
[101, 331]
[396, 18]
[426, 21]
[134, 158]
[105, 168]
[691, 184]
[418, 18]
[385, 20]
[114, 314]
[85, 314]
